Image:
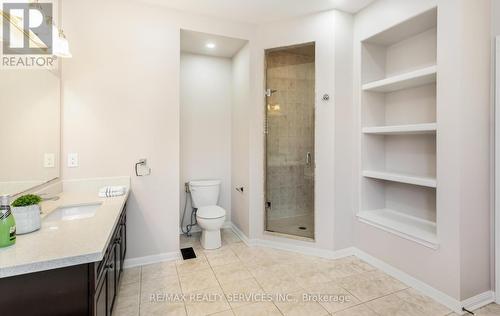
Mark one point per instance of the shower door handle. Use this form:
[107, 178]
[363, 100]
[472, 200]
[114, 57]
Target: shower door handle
[308, 159]
[270, 92]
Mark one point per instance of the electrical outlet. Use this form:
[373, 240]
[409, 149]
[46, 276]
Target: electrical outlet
[72, 160]
[49, 160]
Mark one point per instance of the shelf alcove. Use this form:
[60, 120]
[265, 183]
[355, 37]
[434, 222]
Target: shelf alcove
[398, 129]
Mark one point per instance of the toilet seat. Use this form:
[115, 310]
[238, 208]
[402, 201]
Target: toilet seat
[211, 212]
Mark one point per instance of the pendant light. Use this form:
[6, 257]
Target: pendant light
[60, 45]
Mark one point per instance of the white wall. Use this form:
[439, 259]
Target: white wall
[495, 27]
[345, 136]
[205, 101]
[475, 168]
[121, 103]
[240, 139]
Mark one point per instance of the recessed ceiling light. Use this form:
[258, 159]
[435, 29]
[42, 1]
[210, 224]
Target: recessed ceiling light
[210, 45]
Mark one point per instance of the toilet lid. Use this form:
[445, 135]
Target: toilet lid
[213, 211]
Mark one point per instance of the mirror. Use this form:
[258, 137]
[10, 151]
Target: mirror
[29, 129]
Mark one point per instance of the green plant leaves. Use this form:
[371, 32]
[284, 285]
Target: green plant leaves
[27, 200]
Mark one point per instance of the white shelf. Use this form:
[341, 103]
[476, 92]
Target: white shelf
[404, 81]
[406, 29]
[416, 229]
[401, 178]
[428, 128]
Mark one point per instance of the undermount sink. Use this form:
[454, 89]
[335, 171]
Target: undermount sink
[71, 213]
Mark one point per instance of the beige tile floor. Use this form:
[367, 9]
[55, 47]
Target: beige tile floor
[243, 281]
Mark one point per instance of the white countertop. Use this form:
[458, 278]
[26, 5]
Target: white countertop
[64, 243]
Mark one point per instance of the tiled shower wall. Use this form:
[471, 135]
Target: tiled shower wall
[290, 127]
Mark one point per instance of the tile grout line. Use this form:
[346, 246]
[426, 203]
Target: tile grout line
[381, 297]
[257, 281]
[220, 285]
[180, 287]
[273, 302]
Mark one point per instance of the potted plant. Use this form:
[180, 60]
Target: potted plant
[26, 211]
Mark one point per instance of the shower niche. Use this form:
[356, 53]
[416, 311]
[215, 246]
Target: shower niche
[289, 140]
[398, 130]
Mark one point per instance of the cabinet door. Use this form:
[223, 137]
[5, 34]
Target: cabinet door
[124, 236]
[123, 239]
[100, 302]
[111, 278]
[118, 251]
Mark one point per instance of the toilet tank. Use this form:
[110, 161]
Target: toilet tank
[204, 192]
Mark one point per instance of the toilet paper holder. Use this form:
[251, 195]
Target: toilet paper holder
[143, 164]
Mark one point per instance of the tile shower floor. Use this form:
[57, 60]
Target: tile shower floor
[291, 225]
[241, 280]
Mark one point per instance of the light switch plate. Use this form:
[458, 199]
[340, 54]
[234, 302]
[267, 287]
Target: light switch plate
[49, 160]
[72, 160]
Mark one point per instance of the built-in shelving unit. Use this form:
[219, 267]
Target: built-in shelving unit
[408, 129]
[407, 80]
[401, 178]
[398, 129]
[406, 226]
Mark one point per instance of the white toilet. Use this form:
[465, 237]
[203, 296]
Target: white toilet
[210, 216]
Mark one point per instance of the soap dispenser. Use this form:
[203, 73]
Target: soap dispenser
[7, 223]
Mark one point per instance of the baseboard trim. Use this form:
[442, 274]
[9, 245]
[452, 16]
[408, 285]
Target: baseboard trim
[478, 301]
[135, 262]
[242, 235]
[407, 279]
[294, 248]
[310, 251]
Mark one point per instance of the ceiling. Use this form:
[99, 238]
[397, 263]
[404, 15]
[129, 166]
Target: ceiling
[261, 11]
[196, 43]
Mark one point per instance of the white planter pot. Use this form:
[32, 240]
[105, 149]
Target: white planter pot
[27, 219]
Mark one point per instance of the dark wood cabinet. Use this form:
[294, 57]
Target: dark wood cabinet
[112, 278]
[121, 245]
[100, 304]
[86, 289]
[109, 270]
[123, 240]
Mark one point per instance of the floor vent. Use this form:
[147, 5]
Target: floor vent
[188, 253]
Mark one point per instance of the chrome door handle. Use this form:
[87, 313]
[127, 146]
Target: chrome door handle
[270, 92]
[308, 159]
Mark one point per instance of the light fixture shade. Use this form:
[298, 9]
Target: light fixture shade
[62, 49]
[60, 45]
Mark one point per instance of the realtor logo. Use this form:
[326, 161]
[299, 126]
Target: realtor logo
[27, 28]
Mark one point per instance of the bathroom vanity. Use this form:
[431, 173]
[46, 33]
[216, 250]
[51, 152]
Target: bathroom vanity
[73, 265]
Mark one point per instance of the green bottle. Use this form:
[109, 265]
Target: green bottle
[7, 223]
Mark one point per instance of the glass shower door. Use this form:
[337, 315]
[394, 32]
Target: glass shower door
[290, 79]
